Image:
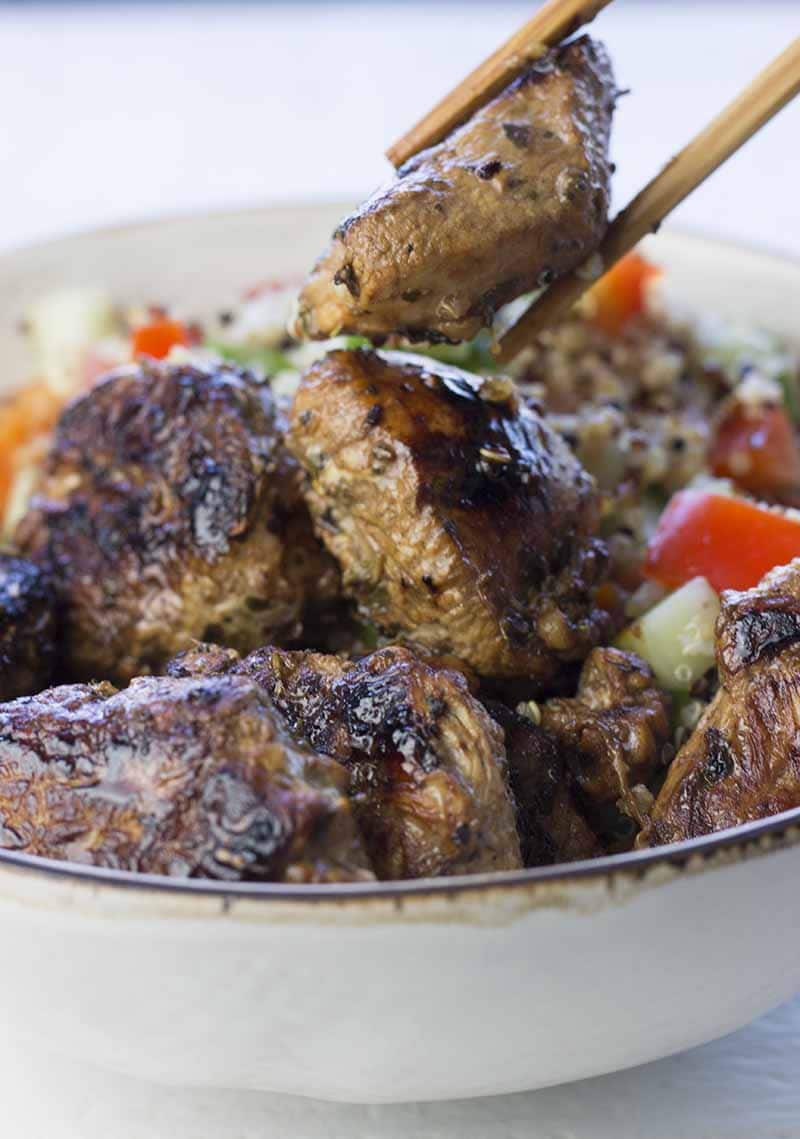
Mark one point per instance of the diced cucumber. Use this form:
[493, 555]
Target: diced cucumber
[676, 637]
[62, 326]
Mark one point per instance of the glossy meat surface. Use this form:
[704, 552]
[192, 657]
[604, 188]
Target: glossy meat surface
[193, 777]
[427, 763]
[459, 519]
[27, 628]
[514, 198]
[170, 510]
[742, 762]
[612, 735]
[551, 825]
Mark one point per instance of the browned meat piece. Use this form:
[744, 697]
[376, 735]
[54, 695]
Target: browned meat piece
[612, 735]
[742, 761]
[550, 823]
[427, 763]
[185, 777]
[27, 628]
[514, 198]
[202, 660]
[170, 510]
[459, 518]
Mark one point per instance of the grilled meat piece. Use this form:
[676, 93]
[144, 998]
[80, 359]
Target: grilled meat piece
[186, 777]
[427, 763]
[742, 761]
[460, 520]
[27, 628]
[512, 199]
[202, 659]
[551, 825]
[612, 736]
[171, 510]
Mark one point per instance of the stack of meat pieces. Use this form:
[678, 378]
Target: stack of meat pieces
[188, 532]
[170, 484]
[170, 510]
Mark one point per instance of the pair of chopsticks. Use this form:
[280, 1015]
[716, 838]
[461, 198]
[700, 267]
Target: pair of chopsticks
[771, 90]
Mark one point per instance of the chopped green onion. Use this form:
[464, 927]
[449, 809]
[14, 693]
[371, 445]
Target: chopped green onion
[266, 360]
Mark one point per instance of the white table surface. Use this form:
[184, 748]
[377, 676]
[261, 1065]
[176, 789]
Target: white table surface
[742, 1087]
[118, 111]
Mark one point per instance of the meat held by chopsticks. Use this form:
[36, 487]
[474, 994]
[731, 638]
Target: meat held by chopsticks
[509, 201]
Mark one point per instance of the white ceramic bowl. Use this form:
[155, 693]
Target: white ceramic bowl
[453, 988]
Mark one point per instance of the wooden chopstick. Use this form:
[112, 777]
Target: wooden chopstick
[556, 20]
[765, 96]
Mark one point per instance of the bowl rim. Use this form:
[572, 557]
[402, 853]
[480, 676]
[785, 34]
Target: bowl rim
[758, 836]
[310, 203]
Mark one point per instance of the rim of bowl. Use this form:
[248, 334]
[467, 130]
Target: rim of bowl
[759, 837]
[311, 204]
[779, 830]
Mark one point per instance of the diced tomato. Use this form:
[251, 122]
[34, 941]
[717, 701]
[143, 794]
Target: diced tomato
[730, 542]
[33, 411]
[159, 337]
[757, 448]
[621, 292]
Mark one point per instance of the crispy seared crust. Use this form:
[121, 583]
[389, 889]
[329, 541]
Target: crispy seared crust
[27, 628]
[551, 826]
[515, 197]
[427, 763]
[170, 510]
[192, 777]
[612, 735]
[458, 517]
[742, 762]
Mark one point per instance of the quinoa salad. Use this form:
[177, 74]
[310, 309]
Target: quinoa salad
[687, 429]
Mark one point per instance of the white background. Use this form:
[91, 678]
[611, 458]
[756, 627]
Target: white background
[109, 112]
[112, 111]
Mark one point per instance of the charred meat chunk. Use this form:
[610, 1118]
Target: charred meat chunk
[27, 628]
[170, 510]
[551, 826]
[459, 519]
[193, 777]
[512, 199]
[742, 761]
[612, 735]
[202, 659]
[426, 762]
